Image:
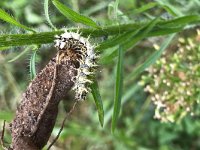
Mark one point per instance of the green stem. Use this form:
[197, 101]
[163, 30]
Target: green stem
[48, 37]
[162, 28]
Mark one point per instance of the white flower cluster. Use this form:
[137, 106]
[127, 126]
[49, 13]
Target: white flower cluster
[173, 81]
[87, 62]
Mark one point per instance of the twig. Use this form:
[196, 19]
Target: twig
[2, 136]
[62, 126]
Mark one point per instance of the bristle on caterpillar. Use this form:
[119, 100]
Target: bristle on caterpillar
[79, 49]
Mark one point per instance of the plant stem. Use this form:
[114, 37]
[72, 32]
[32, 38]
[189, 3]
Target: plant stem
[161, 28]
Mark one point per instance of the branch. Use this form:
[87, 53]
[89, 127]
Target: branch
[163, 27]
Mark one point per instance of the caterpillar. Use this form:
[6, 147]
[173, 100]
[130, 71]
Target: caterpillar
[73, 42]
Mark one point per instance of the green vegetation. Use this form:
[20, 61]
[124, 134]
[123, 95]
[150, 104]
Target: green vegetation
[120, 112]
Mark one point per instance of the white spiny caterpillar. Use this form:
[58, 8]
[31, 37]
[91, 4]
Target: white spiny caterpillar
[86, 58]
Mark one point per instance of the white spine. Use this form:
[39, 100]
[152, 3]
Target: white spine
[87, 63]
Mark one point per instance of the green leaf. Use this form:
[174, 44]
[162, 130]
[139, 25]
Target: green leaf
[98, 7]
[141, 34]
[170, 10]
[22, 53]
[181, 21]
[151, 5]
[131, 41]
[129, 92]
[150, 60]
[116, 5]
[118, 88]
[74, 16]
[32, 65]
[98, 101]
[46, 12]
[145, 8]
[6, 17]
[119, 40]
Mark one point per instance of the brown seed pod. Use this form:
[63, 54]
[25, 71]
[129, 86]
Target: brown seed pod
[37, 112]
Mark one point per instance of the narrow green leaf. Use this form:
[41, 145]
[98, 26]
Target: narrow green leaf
[129, 92]
[22, 53]
[150, 60]
[46, 12]
[181, 21]
[151, 5]
[170, 10]
[32, 65]
[164, 31]
[154, 4]
[74, 16]
[118, 89]
[145, 8]
[141, 33]
[6, 17]
[116, 5]
[167, 6]
[95, 8]
[119, 40]
[98, 101]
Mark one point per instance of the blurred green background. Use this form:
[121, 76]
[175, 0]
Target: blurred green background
[137, 129]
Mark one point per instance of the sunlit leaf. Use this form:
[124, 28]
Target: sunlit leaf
[6, 17]
[74, 16]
